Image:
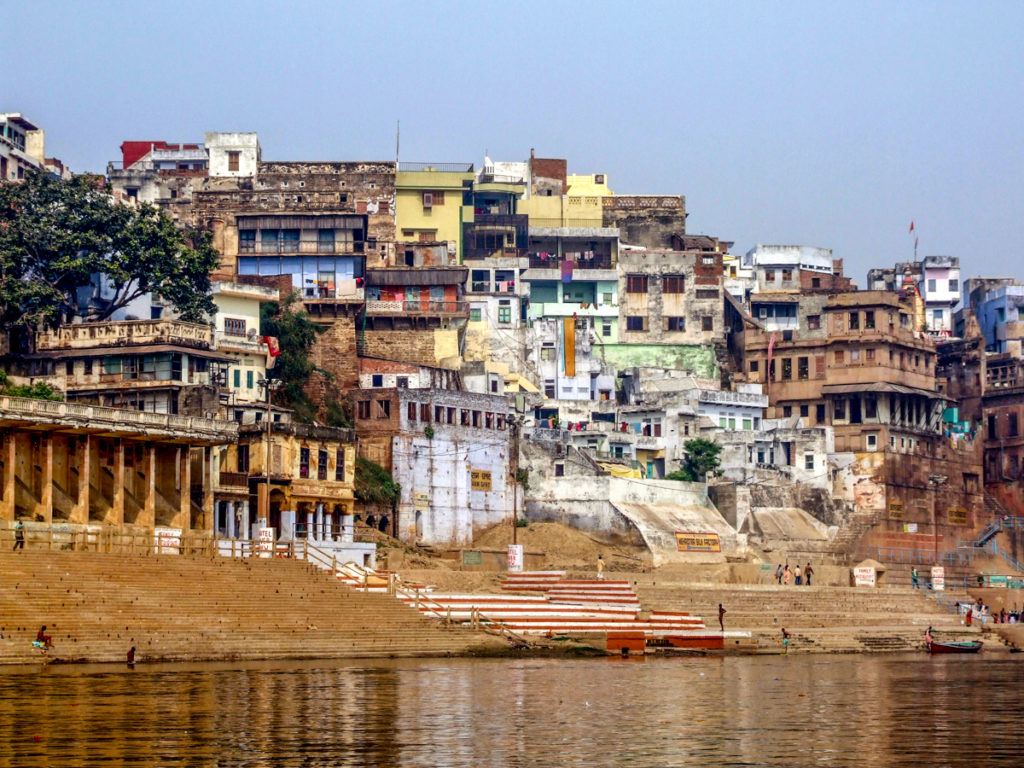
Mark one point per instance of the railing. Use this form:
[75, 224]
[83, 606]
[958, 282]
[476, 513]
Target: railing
[476, 254]
[422, 307]
[437, 167]
[553, 262]
[78, 537]
[571, 223]
[300, 246]
[920, 556]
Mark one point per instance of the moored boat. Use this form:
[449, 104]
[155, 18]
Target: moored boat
[969, 646]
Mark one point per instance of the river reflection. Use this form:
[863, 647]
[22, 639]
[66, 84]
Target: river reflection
[759, 711]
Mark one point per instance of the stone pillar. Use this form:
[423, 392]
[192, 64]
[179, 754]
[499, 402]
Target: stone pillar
[320, 521]
[287, 532]
[148, 517]
[182, 519]
[310, 526]
[7, 506]
[117, 507]
[209, 522]
[45, 507]
[229, 519]
[83, 462]
[348, 526]
[244, 530]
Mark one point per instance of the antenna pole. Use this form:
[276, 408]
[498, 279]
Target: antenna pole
[398, 141]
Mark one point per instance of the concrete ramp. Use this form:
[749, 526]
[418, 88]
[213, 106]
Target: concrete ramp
[658, 524]
[786, 524]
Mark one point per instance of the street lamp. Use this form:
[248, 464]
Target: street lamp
[934, 481]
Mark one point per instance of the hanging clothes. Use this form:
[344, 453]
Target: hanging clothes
[567, 271]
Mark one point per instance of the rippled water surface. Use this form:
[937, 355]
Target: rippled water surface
[759, 711]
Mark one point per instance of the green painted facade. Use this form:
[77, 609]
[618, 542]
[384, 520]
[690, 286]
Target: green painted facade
[698, 358]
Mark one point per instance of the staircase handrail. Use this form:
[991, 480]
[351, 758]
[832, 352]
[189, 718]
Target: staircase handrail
[993, 547]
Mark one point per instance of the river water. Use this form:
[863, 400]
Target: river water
[793, 711]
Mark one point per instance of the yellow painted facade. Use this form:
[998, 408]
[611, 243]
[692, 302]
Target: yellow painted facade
[588, 184]
[428, 205]
[562, 211]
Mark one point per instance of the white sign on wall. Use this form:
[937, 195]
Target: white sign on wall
[515, 558]
[938, 577]
[864, 576]
[167, 540]
[265, 542]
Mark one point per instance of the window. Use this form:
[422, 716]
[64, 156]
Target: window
[839, 355]
[869, 320]
[439, 414]
[707, 323]
[450, 415]
[238, 378]
[769, 275]
[233, 327]
[707, 293]
[854, 355]
[803, 368]
[634, 323]
[636, 283]
[383, 206]
[819, 366]
[69, 367]
[872, 442]
[815, 282]
[549, 388]
[233, 157]
[675, 323]
[839, 409]
[707, 261]
[559, 470]
[505, 311]
[243, 458]
[547, 353]
[721, 422]
[304, 462]
[787, 275]
[410, 411]
[869, 354]
[813, 322]
[339, 465]
[674, 284]
[383, 409]
[931, 285]
[787, 368]
[1013, 425]
[805, 410]
[808, 461]
[402, 382]
[732, 424]
[937, 315]
[754, 366]
[870, 408]
[606, 329]
[321, 465]
[819, 413]
[249, 379]
[363, 409]
[854, 321]
[377, 380]
[474, 315]
[954, 286]
[747, 424]
[425, 413]
[787, 411]
[88, 367]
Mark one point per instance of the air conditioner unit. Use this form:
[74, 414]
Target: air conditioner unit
[428, 199]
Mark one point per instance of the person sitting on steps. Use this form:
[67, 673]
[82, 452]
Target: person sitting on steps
[43, 640]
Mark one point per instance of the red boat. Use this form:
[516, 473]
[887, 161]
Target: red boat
[970, 646]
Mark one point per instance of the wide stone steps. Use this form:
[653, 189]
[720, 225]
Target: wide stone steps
[170, 607]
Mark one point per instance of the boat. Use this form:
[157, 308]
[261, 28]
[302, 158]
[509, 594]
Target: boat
[969, 646]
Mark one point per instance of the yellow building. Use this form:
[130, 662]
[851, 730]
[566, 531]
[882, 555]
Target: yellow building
[428, 202]
[587, 185]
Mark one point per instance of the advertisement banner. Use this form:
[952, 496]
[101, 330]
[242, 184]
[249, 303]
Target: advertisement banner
[265, 542]
[167, 541]
[938, 578]
[698, 542]
[515, 558]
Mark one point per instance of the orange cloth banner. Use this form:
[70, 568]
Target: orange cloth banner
[570, 346]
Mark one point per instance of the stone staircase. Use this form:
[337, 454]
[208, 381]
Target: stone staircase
[173, 607]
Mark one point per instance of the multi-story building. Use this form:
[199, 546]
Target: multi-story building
[937, 280]
[429, 202]
[237, 336]
[21, 146]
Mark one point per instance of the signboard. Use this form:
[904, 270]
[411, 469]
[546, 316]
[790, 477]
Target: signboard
[265, 542]
[698, 542]
[864, 576]
[938, 578]
[480, 480]
[910, 527]
[956, 516]
[515, 558]
[421, 500]
[997, 581]
[472, 558]
[167, 541]
[895, 510]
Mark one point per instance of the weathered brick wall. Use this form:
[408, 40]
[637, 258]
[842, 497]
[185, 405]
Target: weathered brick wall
[413, 346]
[650, 221]
[334, 352]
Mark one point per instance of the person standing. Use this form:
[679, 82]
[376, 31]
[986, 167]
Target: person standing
[914, 578]
[721, 617]
[785, 641]
[600, 567]
[778, 573]
[785, 575]
[19, 535]
[808, 572]
[799, 577]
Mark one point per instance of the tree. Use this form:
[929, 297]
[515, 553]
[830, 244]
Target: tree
[38, 391]
[373, 484]
[296, 334]
[61, 242]
[701, 458]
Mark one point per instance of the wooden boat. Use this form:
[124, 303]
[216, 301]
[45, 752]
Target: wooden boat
[970, 646]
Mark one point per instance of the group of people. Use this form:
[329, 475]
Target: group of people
[784, 575]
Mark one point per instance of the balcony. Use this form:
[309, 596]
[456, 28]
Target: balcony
[234, 480]
[315, 247]
[122, 333]
[414, 307]
[733, 398]
[603, 261]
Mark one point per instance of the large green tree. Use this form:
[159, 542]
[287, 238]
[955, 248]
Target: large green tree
[60, 239]
[701, 458]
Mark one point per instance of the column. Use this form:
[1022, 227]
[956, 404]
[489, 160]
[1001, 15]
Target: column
[182, 519]
[45, 508]
[244, 530]
[83, 462]
[320, 521]
[117, 507]
[7, 506]
[229, 521]
[311, 526]
[348, 525]
[148, 517]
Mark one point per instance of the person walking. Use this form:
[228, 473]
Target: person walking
[785, 641]
[799, 577]
[778, 573]
[19, 535]
[914, 578]
[808, 572]
[785, 575]
[600, 567]
[721, 617]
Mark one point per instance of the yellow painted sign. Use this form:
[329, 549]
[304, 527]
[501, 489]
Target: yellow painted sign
[895, 510]
[421, 499]
[698, 542]
[956, 516]
[480, 480]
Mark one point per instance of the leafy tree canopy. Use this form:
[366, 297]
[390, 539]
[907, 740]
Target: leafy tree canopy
[296, 333]
[701, 458]
[37, 391]
[59, 240]
[373, 484]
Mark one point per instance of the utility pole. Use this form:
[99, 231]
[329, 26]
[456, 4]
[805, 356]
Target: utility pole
[263, 500]
[515, 479]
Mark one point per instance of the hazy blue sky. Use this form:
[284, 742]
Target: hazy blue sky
[829, 124]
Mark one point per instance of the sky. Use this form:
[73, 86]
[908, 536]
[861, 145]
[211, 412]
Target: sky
[827, 124]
